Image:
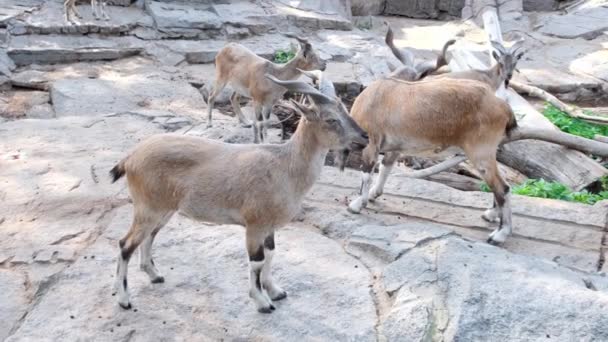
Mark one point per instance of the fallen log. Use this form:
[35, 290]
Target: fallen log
[526, 89]
[535, 159]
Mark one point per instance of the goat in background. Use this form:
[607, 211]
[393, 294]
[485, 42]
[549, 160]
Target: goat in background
[244, 71]
[97, 7]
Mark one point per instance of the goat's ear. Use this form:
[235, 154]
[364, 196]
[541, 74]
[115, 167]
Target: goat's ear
[310, 113]
[496, 57]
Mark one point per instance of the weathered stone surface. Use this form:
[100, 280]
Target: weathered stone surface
[205, 292]
[14, 299]
[424, 9]
[55, 174]
[17, 104]
[88, 97]
[540, 5]
[387, 243]
[367, 7]
[25, 50]
[587, 21]
[6, 64]
[49, 19]
[469, 291]
[12, 9]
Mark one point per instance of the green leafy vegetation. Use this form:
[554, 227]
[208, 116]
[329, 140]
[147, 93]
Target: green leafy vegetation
[543, 189]
[572, 125]
[283, 56]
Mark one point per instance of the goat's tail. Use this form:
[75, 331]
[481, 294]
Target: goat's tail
[118, 170]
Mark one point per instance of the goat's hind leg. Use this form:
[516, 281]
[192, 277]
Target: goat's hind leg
[146, 262]
[144, 222]
[236, 106]
[501, 209]
[220, 84]
[370, 155]
[385, 170]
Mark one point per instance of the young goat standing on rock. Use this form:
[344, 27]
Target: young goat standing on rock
[244, 71]
[98, 8]
[260, 187]
[426, 117]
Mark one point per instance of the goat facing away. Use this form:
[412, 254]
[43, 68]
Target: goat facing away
[98, 7]
[429, 118]
[260, 187]
[244, 71]
[500, 73]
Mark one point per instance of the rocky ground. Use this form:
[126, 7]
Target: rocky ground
[414, 266]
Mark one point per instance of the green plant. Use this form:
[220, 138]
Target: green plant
[572, 125]
[283, 56]
[543, 189]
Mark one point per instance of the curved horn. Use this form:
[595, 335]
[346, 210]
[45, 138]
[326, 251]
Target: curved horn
[404, 56]
[302, 88]
[326, 87]
[498, 46]
[516, 46]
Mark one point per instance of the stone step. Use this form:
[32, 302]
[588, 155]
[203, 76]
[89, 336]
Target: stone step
[45, 49]
[185, 20]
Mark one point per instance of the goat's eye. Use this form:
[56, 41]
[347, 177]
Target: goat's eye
[332, 121]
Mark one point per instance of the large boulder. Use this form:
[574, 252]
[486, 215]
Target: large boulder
[431, 9]
[367, 7]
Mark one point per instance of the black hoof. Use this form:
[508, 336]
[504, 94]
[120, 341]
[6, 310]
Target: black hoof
[126, 307]
[280, 296]
[266, 310]
[158, 280]
[492, 242]
[272, 307]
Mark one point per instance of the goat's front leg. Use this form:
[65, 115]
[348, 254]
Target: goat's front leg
[274, 291]
[75, 11]
[255, 250]
[370, 156]
[257, 126]
[266, 121]
[104, 12]
[385, 170]
[94, 9]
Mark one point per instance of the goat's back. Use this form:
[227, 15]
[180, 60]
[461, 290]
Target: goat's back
[440, 111]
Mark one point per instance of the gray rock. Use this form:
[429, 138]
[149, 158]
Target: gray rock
[12, 9]
[6, 64]
[367, 7]
[424, 9]
[43, 111]
[25, 50]
[32, 79]
[387, 243]
[14, 299]
[206, 290]
[473, 291]
[586, 22]
[49, 19]
[16, 104]
[90, 97]
[540, 5]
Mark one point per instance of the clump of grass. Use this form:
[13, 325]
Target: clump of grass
[572, 125]
[284, 56]
[555, 190]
